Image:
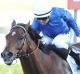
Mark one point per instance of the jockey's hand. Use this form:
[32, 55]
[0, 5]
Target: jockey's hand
[46, 40]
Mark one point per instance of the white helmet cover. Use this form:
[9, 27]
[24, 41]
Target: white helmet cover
[42, 10]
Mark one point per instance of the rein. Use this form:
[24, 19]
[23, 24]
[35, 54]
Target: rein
[21, 53]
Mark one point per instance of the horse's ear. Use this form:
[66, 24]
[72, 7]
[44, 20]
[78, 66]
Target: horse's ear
[13, 23]
[29, 22]
[28, 25]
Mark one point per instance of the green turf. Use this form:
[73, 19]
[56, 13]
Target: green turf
[13, 69]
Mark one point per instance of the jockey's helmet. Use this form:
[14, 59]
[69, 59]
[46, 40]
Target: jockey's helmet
[42, 11]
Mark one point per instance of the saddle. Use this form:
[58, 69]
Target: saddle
[44, 48]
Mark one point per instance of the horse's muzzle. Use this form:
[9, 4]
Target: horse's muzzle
[7, 57]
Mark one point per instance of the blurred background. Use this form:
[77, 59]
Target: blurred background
[22, 11]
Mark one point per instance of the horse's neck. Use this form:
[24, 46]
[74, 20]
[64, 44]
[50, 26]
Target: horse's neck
[36, 63]
[28, 66]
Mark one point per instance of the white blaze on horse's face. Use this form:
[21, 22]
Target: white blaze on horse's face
[13, 33]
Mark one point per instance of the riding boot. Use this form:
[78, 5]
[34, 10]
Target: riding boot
[62, 52]
[75, 56]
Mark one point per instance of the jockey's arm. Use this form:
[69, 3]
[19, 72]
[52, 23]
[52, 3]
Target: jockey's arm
[36, 25]
[71, 22]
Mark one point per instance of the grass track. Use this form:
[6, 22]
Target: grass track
[13, 69]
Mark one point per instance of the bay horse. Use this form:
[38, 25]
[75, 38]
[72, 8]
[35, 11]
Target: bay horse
[23, 42]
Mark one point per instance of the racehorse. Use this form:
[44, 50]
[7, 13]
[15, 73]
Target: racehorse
[23, 42]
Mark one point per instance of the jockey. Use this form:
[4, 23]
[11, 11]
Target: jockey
[55, 25]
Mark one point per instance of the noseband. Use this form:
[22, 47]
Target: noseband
[21, 53]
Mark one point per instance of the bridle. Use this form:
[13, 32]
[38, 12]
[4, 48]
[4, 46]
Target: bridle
[21, 53]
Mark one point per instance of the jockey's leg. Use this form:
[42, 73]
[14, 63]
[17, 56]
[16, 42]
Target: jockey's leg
[62, 52]
[76, 57]
[62, 42]
[59, 45]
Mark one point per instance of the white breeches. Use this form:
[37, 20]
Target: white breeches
[60, 41]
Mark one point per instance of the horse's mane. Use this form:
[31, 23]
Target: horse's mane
[33, 34]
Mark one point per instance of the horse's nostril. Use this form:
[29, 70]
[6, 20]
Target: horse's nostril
[2, 55]
[7, 54]
[10, 54]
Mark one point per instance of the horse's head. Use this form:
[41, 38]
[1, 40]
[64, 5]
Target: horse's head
[17, 41]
